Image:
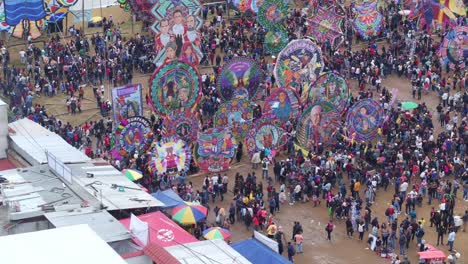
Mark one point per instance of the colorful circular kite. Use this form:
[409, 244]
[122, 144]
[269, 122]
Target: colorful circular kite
[237, 114]
[283, 104]
[368, 21]
[255, 5]
[299, 64]
[275, 40]
[67, 3]
[175, 86]
[329, 87]
[364, 118]
[134, 134]
[214, 150]
[239, 78]
[170, 155]
[454, 49]
[271, 13]
[318, 125]
[266, 132]
[181, 124]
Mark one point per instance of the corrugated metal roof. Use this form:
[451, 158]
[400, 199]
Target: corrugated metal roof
[208, 251]
[104, 183]
[31, 141]
[28, 189]
[103, 223]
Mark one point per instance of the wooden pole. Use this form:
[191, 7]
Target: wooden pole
[82, 16]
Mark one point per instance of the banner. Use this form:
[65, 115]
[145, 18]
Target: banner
[127, 102]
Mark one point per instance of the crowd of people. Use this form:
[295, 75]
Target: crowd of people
[419, 155]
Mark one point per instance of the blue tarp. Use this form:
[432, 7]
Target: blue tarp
[168, 197]
[256, 252]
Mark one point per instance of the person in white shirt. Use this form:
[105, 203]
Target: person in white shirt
[214, 180]
[451, 239]
[403, 188]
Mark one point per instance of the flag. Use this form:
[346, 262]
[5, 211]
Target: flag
[139, 229]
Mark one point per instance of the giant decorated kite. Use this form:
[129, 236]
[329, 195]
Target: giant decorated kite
[239, 78]
[266, 132]
[215, 149]
[271, 13]
[127, 102]
[454, 49]
[298, 65]
[177, 27]
[368, 21]
[276, 39]
[25, 15]
[237, 115]
[325, 25]
[431, 14]
[14, 19]
[169, 155]
[364, 118]
[134, 136]
[184, 125]
[283, 104]
[318, 125]
[329, 87]
[175, 85]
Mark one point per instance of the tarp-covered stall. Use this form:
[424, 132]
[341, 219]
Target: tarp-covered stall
[162, 230]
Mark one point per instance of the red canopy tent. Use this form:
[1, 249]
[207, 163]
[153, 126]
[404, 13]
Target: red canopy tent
[162, 230]
[432, 254]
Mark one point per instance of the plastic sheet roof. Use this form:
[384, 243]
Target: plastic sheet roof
[31, 141]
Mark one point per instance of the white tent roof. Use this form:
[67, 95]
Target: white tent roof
[104, 224]
[103, 180]
[207, 251]
[31, 141]
[92, 4]
[72, 245]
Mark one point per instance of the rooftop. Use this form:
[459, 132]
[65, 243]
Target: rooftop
[117, 191]
[31, 141]
[207, 251]
[72, 245]
[101, 222]
[30, 191]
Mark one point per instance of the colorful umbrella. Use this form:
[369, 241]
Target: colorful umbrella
[216, 233]
[189, 214]
[133, 175]
[409, 105]
[96, 19]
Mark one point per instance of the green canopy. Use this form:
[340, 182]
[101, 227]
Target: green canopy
[409, 105]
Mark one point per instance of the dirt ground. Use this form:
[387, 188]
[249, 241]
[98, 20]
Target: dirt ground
[342, 249]
[317, 249]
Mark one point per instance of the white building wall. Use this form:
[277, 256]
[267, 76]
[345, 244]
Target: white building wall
[3, 129]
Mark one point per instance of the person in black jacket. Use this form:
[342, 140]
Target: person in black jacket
[440, 234]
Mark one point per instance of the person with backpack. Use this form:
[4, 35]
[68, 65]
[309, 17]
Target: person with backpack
[419, 234]
[402, 244]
